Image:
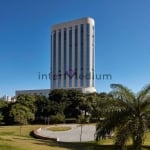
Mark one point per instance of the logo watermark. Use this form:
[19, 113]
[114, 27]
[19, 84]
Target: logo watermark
[71, 74]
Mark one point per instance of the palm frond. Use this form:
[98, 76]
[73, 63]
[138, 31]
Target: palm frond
[144, 92]
[111, 121]
[145, 105]
[123, 93]
[122, 135]
[128, 114]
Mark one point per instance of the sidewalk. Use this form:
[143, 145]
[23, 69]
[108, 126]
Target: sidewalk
[72, 135]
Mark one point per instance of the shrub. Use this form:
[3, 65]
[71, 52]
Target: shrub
[58, 118]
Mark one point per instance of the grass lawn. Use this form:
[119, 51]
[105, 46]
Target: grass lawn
[10, 139]
[59, 128]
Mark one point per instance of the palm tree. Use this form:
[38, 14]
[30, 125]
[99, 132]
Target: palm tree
[128, 115]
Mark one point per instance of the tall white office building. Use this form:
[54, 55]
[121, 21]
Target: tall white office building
[73, 55]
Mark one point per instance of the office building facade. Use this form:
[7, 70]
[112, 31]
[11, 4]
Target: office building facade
[73, 55]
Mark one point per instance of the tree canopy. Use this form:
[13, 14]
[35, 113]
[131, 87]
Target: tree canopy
[128, 115]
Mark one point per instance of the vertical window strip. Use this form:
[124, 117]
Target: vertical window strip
[59, 59]
[76, 55]
[54, 59]
[88, 74]
[51, 59]
[93, 55]
[65, 43]
[70, 56]
[81, 53]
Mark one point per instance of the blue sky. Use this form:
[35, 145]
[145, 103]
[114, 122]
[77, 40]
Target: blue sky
[122, 40]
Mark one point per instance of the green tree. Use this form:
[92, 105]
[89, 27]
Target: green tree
[1, 117]
[58, 95]
[65, 102]
[41, 107]
[56, 103]
[28, 101]
[58, 118]
[21, 114]
[99, 103]
[73, 101]
[3, 110]
[128, 114]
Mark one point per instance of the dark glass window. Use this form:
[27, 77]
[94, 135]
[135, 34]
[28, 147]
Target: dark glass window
[59, 57]
[65, 53]
[76, 55]
[93, 54]
[81, 52]
[70, 54]
[88, 54]
[54, 58]
[51, 56]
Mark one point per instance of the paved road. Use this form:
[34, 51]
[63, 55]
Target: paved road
[72, 135]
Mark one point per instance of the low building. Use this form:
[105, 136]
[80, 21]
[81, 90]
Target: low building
[8, 98]
[44, 92]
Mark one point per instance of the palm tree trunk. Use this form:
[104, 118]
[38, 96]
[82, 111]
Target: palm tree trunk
[137, 143]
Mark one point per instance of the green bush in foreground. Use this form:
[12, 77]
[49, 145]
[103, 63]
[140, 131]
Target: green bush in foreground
[128, 115]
